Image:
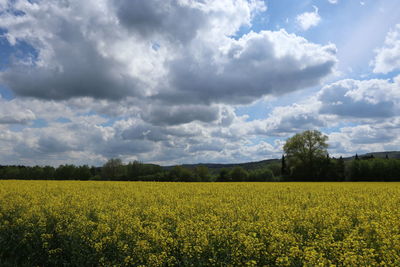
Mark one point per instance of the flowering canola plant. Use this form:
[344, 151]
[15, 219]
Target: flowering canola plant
[71, 223]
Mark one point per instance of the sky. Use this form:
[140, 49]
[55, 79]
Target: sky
[195, 81]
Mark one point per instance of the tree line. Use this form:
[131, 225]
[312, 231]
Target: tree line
[305, 159]
[332, 169]
[115, 170]
[328, 169]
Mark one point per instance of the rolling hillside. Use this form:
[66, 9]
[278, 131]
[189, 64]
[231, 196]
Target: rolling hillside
[215, 167]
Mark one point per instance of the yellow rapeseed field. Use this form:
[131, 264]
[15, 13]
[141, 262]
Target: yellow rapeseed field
[56, 223]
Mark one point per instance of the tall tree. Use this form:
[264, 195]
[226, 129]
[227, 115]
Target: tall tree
[224, 175]
[180, 174]
[305, 151]
[201, 173]
[340, 169]
[283, 164]
[238, 174]
[112, 169]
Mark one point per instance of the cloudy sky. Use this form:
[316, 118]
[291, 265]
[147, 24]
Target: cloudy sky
[189, 81]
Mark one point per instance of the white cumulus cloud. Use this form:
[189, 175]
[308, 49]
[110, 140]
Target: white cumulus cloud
[387, 58]
[307, 20]
[361, 99]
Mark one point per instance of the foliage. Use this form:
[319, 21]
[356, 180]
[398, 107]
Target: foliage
[325, 169]
[238, 174]
[261, 175]
[283, 166]
[375, 170]
[306, 152]
[202, 174]
[224, 175]
[137, 170]
[113, 169]
[70, 223]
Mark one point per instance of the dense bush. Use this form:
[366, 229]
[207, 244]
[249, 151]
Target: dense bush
[374, 170]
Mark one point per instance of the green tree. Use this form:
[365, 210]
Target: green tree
[261, 175]
[276, 169]
[238, 174]
[134, 170]
[113, 169]
[223, 175]
[283, 166]
[65, 172]
[305, 152]
[48, 172]
[181, 174]
[82, 173]
[340, 169]
[202, 174]
[11, 172]
[355, 170]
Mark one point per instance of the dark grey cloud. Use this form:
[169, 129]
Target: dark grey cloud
[104, 50]
[298, 123]
[143, 131]
[171, 19]
[174, 115]
[146, 131]
[251, 67]
[121, 148]
[170, 154]
[43, 147]
[52, 144]
[86, 51]
[207, 145]
[76, 69]
[375, 137]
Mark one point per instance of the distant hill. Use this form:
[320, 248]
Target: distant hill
[390, 154]
[215, 167]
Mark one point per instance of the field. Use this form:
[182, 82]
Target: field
[55, 223]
